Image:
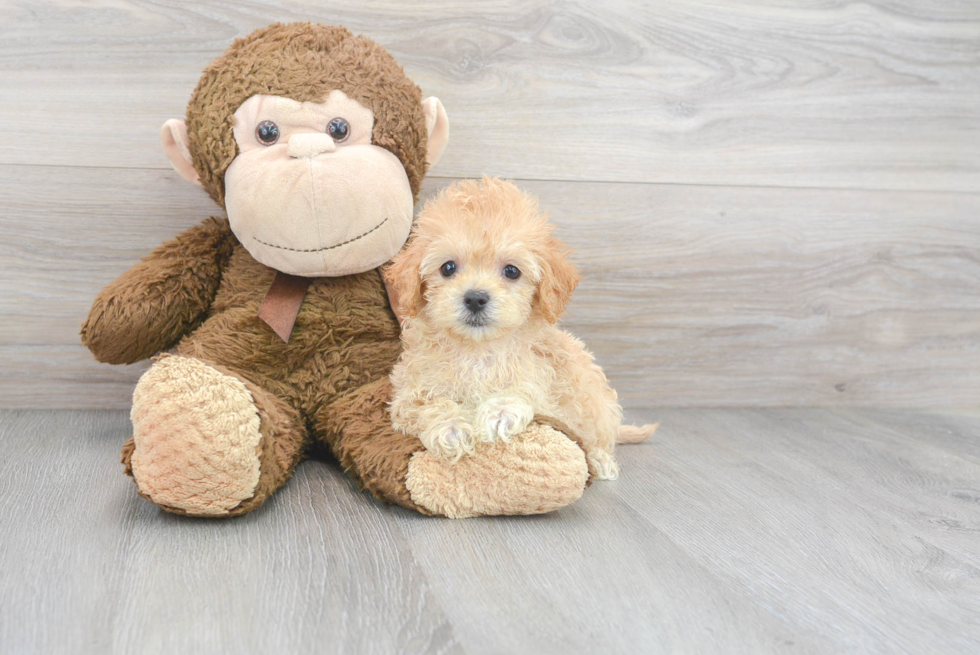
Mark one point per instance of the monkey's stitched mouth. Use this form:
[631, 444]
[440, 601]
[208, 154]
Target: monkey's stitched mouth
[336, 245]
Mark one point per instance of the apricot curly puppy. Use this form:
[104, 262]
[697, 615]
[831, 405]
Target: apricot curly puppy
[480, 287]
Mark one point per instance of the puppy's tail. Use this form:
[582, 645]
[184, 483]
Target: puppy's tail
[635, 434]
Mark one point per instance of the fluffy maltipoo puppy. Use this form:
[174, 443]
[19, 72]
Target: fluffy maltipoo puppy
[480, 287]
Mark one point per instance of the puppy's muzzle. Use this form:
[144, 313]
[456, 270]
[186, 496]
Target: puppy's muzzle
[476, 301]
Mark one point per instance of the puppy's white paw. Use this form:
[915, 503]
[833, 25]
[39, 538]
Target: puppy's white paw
[503, 418]
[603, 465]
[450, 438]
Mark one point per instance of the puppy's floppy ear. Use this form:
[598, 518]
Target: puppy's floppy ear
[404, 280]
[558, 279]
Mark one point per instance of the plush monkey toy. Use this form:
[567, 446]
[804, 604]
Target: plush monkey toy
[275, 325]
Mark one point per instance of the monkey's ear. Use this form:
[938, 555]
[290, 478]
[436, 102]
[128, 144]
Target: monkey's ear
[437, 125]
[173, 137]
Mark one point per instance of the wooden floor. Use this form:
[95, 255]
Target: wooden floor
[733, 531]
[772, 204]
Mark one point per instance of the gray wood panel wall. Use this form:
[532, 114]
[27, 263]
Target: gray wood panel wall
[771, 205]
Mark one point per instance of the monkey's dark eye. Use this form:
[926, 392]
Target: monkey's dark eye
[448, 269]
[511, 272]
[338, 129]
[267, 133]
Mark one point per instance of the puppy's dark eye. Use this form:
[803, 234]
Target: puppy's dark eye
[511, 272]
[448, 269]
[338, 129]
[267, 133]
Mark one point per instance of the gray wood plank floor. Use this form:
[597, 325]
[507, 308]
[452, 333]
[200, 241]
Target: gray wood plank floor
[734, 531]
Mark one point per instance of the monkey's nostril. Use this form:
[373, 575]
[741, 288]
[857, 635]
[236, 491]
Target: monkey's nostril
[476, 301]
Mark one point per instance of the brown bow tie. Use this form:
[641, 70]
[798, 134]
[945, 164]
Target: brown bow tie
[281, 304]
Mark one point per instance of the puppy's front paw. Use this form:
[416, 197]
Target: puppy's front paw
[502, 418]
[603, 465]
[449, 438]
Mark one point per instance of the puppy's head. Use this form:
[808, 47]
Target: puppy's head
[481, 261]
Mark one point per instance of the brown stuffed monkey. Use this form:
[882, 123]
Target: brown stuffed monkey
[275, 325]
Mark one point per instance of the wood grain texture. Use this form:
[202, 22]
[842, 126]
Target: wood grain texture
[691, 295]
[89, 567]
[882, 94]
[736, 531]
[741, 293]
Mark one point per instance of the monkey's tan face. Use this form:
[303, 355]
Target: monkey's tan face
[309, 194]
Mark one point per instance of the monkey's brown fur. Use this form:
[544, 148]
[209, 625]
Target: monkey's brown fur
[345, 337]
[304, 62]
[199, 294]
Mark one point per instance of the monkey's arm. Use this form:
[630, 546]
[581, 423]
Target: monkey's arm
[153, 304]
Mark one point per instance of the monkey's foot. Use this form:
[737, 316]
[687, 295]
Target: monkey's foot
[539, 471]
[196, 438]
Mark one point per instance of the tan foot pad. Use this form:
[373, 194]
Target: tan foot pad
[540, 471]
[196, 434]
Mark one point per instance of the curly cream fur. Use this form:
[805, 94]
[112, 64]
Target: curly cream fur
[458, 382]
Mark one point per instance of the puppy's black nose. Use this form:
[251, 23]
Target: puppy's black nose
[475, 301]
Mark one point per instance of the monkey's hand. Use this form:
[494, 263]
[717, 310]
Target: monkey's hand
[153, 304]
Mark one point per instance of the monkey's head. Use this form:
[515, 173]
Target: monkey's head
[315, 143]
